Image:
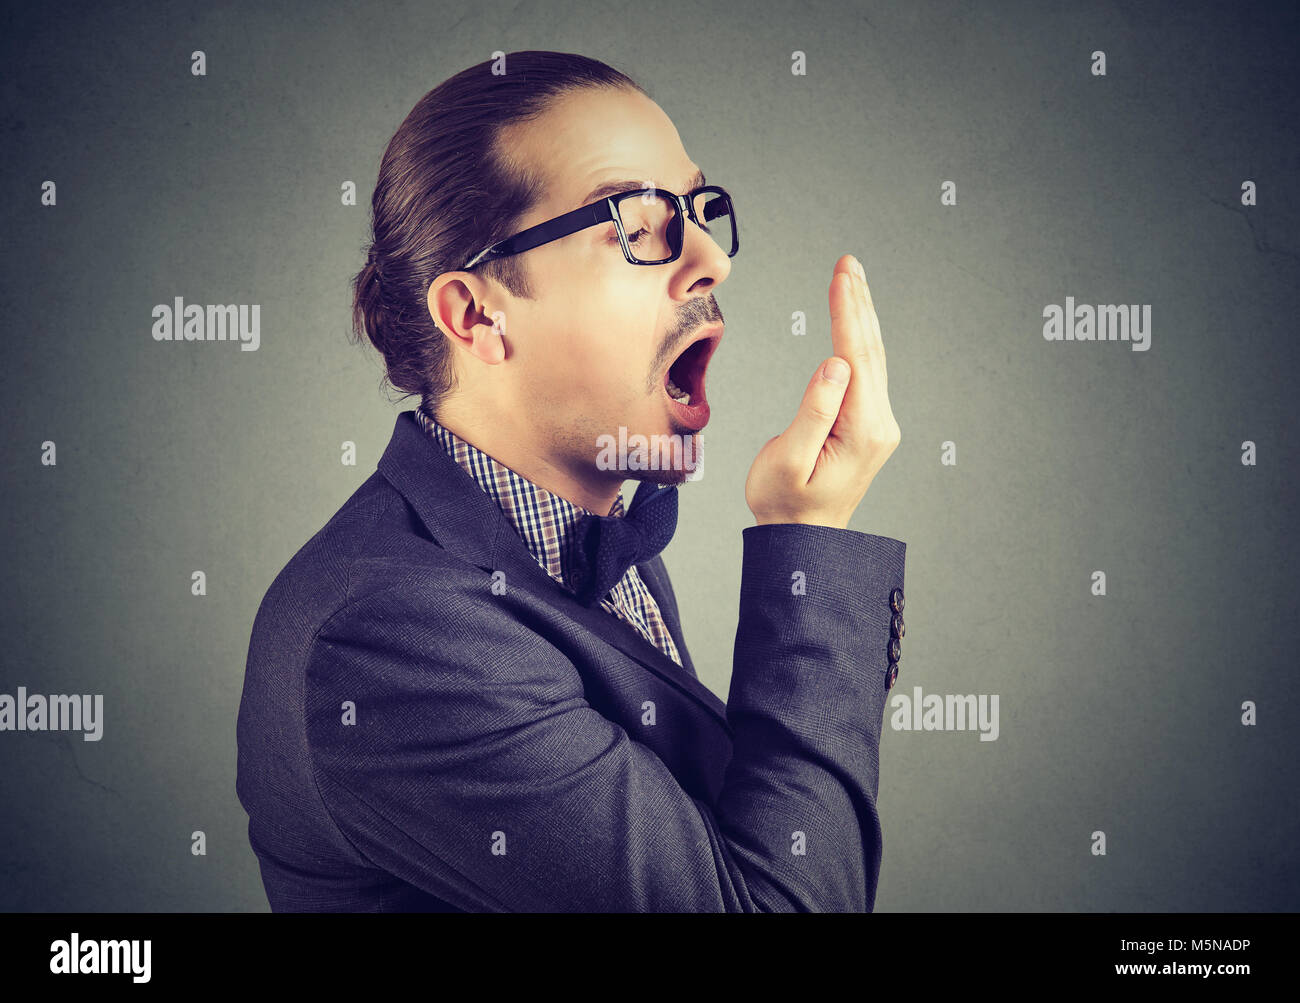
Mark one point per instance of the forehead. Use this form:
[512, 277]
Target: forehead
[591, 136]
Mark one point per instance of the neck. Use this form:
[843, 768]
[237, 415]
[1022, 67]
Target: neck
[511, 445]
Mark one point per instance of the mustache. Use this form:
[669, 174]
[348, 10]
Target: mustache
[700, 312]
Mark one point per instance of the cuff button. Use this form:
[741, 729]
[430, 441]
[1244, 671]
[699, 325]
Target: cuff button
[896, 626]
[895, 650]
[896, 600]
[893, 674]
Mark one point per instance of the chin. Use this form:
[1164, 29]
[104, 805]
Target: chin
[676, 467]
[673, 477]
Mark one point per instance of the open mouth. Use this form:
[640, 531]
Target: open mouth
[684, 380]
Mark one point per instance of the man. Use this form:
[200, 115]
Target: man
[470, 690]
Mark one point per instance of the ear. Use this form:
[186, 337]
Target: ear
[457, 303]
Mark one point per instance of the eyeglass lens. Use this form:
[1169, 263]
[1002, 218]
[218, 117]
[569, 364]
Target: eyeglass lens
[653, 225]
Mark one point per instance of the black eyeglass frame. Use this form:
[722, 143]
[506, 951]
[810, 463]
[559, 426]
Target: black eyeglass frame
[606, 211]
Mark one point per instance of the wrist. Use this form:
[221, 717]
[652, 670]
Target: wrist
[800, 520]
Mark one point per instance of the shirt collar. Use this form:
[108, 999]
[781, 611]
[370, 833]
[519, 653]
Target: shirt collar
[544, 520]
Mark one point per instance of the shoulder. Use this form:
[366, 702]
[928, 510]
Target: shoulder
[374, 550]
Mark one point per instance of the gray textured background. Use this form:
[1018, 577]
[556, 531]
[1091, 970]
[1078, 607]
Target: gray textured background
[1119, 713]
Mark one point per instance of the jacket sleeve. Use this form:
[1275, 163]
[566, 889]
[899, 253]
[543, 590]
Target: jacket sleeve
[454, 748]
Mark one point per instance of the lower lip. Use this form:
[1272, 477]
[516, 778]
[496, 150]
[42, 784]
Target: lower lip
[694, 416]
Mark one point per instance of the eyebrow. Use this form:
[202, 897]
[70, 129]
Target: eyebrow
[618, 187]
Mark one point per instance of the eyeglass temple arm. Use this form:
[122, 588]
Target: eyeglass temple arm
[543, 233]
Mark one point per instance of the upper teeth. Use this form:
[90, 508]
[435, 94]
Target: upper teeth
[676, 392]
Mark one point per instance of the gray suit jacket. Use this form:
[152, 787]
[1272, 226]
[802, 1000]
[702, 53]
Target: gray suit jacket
[412, 739]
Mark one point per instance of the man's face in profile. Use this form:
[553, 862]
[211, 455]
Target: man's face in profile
[592, 351]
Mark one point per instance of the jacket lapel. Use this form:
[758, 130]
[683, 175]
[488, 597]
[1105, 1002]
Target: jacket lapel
[466, 522]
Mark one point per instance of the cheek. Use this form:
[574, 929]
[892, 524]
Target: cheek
[608, 354]
[597, 344]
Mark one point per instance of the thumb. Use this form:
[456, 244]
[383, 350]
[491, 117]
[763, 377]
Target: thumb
[817, 413]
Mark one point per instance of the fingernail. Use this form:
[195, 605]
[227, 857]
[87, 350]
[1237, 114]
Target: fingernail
[857, 267]
[836, 371]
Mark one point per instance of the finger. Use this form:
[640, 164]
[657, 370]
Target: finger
[850, 327]
[845, 338]
[855, 335]
[817, 413]
[849, 342]
[873, 322]
[876, 383]
[873, 346]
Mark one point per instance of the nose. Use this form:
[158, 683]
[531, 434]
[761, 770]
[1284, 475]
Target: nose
[708, 259]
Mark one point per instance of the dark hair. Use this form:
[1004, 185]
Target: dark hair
[446, 190]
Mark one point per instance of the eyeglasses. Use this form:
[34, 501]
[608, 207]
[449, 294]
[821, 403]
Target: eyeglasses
[648, 223]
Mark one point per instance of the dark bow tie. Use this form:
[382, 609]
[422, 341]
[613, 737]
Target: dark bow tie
[605, 546]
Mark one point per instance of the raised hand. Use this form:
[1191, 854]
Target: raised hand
[819, 468]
